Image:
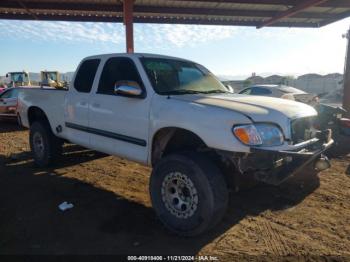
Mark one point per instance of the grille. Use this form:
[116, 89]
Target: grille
[299, 126]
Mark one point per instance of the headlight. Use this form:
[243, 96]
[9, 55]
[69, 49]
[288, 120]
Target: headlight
[259, 134]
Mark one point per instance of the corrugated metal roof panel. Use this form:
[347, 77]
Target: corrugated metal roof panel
[247, 12]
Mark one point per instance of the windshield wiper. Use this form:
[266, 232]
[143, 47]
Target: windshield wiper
[217, 91]
[189, 91]
[182, 92]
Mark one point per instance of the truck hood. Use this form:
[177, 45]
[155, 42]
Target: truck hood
[257, 108]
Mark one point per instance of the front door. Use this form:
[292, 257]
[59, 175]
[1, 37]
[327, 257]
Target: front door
[119, 124]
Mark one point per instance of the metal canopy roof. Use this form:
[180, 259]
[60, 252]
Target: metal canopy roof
[258, 13]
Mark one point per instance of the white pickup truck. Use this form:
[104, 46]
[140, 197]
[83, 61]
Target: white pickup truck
[174, 115]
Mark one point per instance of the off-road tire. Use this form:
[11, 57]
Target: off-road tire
[51, 145]
[209, 183]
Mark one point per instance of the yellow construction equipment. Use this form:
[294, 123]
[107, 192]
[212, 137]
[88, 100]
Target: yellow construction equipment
[18, 78]
[51, 79]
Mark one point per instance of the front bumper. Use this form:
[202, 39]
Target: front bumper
[273, 167]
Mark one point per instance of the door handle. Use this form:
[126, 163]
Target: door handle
[83, 103]
[96, 105]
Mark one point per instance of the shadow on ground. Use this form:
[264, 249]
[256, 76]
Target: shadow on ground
[7, 125]
[103, 222]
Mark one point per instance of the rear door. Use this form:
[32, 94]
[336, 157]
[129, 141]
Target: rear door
[78, 101]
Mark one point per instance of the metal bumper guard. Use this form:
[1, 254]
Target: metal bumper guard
[290, 162]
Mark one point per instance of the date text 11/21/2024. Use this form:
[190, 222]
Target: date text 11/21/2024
[172, 258]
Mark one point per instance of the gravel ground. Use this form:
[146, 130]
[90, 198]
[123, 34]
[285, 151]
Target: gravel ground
[306, 218]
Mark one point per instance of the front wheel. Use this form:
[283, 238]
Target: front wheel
[45, 146]
[189, 193]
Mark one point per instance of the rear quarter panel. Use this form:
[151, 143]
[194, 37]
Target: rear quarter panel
[50, 101]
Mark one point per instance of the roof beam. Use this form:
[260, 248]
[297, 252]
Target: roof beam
[64, 6]
[153, 20]
[291, 11]
[329, 3]
[222, 12]
[335, 18]
[27, 9]
[217, 15]
[118, 7]
[160, 10]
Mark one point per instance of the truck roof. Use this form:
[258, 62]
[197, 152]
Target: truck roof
[17, 72]
[138, 55]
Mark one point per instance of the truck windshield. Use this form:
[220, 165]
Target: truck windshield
[176, 77]
[52, 76]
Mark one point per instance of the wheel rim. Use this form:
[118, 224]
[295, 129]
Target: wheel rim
[179, 195]
[38, 145]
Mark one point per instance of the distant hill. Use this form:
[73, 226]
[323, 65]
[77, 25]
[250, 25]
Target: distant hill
[312, 83]
[332, 84]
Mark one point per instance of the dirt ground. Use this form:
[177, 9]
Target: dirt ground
[308, 216]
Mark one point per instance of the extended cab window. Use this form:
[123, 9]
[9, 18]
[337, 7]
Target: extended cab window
[117, 69]
[85, 76]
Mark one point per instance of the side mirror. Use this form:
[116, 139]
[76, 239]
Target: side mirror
[7, 75]
[128, 88]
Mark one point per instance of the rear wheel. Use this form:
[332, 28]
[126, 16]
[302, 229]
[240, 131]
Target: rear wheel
[188, 193]
[45, 146]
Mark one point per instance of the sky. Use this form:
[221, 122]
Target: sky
[230, 52]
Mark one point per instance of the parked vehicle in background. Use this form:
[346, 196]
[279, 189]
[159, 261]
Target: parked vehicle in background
[18, 79]
[333, 117]
[2, 88]
[329, 116]
[176, 116]
[281, 91]
[51, 79]
[345, 126]
[8, 103]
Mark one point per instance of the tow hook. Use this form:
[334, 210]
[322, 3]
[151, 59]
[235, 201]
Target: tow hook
[322, 163]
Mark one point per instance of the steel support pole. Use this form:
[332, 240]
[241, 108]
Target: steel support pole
[346, 82]
[128, 8]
